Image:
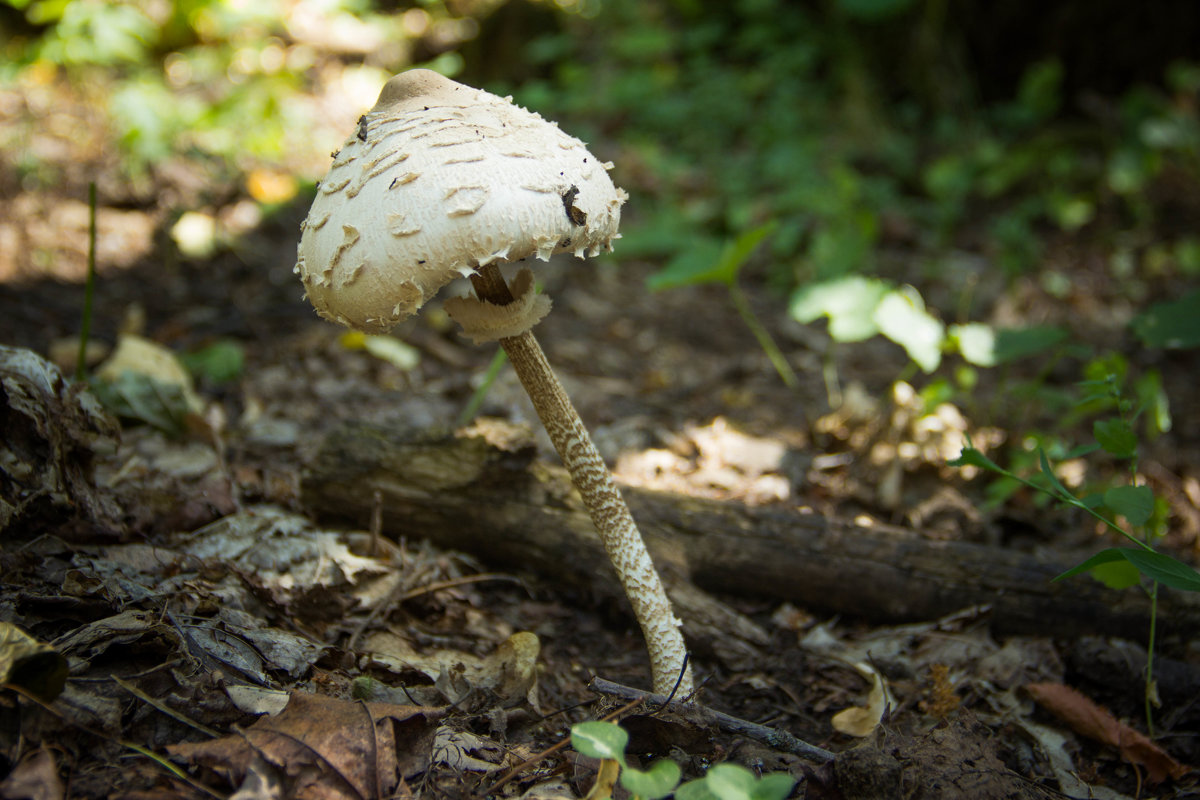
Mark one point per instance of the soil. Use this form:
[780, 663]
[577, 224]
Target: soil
[218, 637]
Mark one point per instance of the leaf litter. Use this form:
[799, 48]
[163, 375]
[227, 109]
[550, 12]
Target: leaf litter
[224, 626]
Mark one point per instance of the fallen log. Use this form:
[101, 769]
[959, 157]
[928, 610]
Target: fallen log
[483, 492]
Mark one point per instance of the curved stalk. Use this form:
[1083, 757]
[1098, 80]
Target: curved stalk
[608, 510]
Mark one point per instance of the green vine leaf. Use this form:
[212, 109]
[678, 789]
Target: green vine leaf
[1116, 436]
[603, 740]
[1154, 565]
[658, 781]
[1135, 503]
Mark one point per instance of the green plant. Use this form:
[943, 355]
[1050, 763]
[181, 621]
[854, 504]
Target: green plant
[720, 262]
[475, 402]
[1171, 323]
[89, 290]
[607, 741]
[219, 361]
[1134, 502]
[859, 308]
[220, 83]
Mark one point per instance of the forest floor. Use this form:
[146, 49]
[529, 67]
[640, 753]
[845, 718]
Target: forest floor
[221, 635]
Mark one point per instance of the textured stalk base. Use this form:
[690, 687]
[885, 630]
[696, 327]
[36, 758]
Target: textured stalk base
[622, 540]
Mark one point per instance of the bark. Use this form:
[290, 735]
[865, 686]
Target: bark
[483, 492]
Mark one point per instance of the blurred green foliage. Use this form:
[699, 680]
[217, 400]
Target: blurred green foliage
[219, 80]
[849, 130]
[851, 125]
[766, 110]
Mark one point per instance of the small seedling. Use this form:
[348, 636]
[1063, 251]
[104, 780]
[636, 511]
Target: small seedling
[720, 263]
[607, 741]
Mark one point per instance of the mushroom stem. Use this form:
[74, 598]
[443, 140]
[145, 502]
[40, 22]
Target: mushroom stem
[609, 513]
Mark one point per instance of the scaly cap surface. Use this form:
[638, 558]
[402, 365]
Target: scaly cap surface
[440, 178]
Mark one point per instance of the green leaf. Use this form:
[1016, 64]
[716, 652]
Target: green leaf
[1116, 437]
[774, 786]
[1117, 575]
[1081, 451]
[1049, 473]
[730, 782]
[1153, 398]
[604, 740]
[1103, 557]
[849, 303]
[970, 457]
[1016, 343]
[710, 262]
[738, 252]
[1164, 569]
[219, 362]
[1154, 565]
[987, 346]
[976, 342]
[901, 316]
[1135, 503]
[695, 265]
[695, 790]
[874, 10]
[1174, 323]
[658, 781]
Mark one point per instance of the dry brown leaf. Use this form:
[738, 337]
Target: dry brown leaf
[34, 778]
[326, 748]
[1090, 720]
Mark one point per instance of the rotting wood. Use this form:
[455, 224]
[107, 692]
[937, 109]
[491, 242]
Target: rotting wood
[485, 493]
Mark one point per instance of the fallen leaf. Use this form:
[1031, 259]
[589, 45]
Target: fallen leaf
[309, 571]
[34, 778]
[261, 783]
[148, 383]
[34, 666]
[606, 780]
[463, 750]
[861, 721]
[510, 670]
[1091, 720]
[554, 789]
[257, 699]
[325, 747]
[1054, 747]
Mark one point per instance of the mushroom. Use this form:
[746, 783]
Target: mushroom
[440, 180]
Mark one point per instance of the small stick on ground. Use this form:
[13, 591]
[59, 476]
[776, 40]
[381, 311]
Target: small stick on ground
[549, 751]
[772, 737]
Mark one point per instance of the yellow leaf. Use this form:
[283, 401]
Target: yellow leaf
[861, 721]
[270, 186]
[606, 779]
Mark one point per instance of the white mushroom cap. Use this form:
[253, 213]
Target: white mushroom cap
[439, 179]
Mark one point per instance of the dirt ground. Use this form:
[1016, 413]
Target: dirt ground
[220, 637]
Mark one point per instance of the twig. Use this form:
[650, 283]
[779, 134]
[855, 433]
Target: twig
[772, 737]
[549, 751]
[164, 708]
[134, 746]
[398, 596]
